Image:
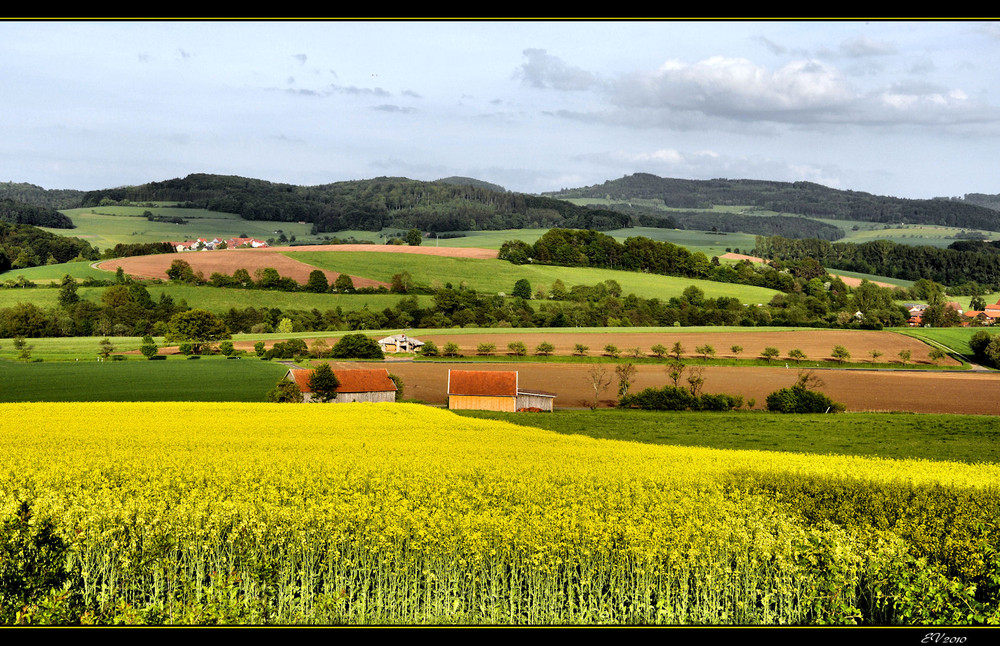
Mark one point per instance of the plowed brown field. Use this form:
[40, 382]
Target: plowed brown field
[816, 344]
[919, 391]
[859, 390]
[229, 260]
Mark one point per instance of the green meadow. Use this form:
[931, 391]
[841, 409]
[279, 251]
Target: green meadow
[219, 299]
[500, 276]
[960, 438]
[206, 379]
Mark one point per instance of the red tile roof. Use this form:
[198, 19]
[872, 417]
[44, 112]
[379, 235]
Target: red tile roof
[351, 381]
[492, 383]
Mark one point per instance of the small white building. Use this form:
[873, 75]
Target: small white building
[399, 343]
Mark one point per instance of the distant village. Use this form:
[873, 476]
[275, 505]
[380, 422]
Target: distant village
[204, 244]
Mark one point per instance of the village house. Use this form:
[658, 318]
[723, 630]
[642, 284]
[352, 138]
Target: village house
[204, 244]
[494, 390]
[399, 343]
[355, 385]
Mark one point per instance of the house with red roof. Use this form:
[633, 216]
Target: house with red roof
[355, 385]
[495, 390]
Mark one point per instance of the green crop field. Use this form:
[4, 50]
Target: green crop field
[50, 273]
[954, 338]
[500, 276]
[218, 299]
[207, 379]
[960, 438]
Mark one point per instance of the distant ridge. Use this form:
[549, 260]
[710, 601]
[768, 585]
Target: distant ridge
[801, 198]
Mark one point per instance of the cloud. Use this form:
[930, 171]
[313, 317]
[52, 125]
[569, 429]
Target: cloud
[723, 93]
[542, 70]
[301, 58]
[394, 108]
[862, 46]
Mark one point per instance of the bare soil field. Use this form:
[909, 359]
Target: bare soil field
[229, 260]
[859, 390]
[225, 261]
[850, 281]
[815, 344]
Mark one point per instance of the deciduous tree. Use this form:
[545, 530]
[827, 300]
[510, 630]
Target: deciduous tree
[323, 383]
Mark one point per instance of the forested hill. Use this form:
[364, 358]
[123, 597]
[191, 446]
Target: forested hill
[38, 196]
[39, 216]
[369, 205]
[801, 198]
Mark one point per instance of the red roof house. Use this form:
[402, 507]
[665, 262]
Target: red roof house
[355, 385]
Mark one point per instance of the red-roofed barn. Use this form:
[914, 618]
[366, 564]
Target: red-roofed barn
[495, 390]
[355, 385]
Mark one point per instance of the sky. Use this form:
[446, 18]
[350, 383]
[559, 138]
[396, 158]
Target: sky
[901, 108]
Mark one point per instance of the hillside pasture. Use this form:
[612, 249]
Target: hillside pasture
[219, 299]
[493, 276]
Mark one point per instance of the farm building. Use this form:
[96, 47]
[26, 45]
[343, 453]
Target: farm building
[495, 390]
[355, 385]
[399, 343]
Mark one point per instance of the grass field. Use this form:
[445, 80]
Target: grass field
[219, 300]
[207, 379]
[962, 438]
[499, 276]
[955, 338]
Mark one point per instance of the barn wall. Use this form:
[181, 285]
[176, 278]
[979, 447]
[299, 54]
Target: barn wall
[387, 396]
[475, 402]
[534, 401]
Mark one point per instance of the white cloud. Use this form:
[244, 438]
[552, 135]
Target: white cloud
[542, 70]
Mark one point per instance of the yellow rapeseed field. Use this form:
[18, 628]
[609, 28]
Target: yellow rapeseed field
[401, 513]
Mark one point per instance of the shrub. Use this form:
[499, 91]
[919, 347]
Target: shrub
[486, 348]
[544, 348]
[429, 349]
[673, 398]
[148, 347]
[284, 392]
[517, 348]
[799, 399]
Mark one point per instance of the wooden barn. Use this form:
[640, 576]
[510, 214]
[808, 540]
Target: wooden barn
[495, 390]
[355, 385]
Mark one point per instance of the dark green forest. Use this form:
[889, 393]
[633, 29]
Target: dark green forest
[40, 216]
[23, 245]
[802, 198]
[31, 194]
[963, 262]
[368, 205]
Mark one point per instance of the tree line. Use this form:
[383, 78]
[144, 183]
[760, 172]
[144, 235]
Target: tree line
[951, 266]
